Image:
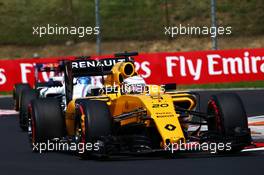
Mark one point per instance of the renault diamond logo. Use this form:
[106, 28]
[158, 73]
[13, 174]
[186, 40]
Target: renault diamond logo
[170, 127]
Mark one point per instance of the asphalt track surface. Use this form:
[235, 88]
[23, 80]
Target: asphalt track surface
[16, 156]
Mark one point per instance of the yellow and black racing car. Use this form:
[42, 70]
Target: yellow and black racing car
[123, 115]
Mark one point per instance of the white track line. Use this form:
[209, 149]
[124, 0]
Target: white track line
[225, 89]
[6, 96]
[4, 112]
[253, 149]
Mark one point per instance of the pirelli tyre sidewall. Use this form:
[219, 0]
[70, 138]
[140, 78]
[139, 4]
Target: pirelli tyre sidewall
[25, 98]
[46, 120]
[18, 88]
[229, 121]
[95, 122]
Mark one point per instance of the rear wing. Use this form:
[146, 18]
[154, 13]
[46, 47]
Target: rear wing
[83, 68]
[91, 67]
[49, 67]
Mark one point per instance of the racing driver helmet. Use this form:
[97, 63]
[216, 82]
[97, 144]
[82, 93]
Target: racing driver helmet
[133, 85]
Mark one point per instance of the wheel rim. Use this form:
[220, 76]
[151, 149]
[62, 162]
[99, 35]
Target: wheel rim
[214, 110]
[80, 134]
[31, 126]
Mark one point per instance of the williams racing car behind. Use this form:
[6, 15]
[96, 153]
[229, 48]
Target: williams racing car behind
[23, 93]
[123, 115]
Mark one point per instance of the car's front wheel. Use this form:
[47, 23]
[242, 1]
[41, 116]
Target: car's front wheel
[93, 122]
[229, 121]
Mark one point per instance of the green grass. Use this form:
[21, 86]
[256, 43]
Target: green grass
[6, 93]
[122, 19]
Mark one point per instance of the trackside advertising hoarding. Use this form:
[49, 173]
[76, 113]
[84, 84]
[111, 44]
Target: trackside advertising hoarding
[199, 67]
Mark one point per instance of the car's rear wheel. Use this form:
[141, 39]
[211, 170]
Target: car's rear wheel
[46, 120]
[93, 123]
[18, 88]
[25, 98]
[229, 121]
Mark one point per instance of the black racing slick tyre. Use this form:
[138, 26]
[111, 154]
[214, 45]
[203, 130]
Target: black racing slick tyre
[46, 120]
[93, 123]
[18, 88]
[25, 98]
[229, 121]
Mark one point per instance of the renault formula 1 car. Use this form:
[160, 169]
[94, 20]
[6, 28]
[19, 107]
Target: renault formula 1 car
[118, 121]
[23, 93]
